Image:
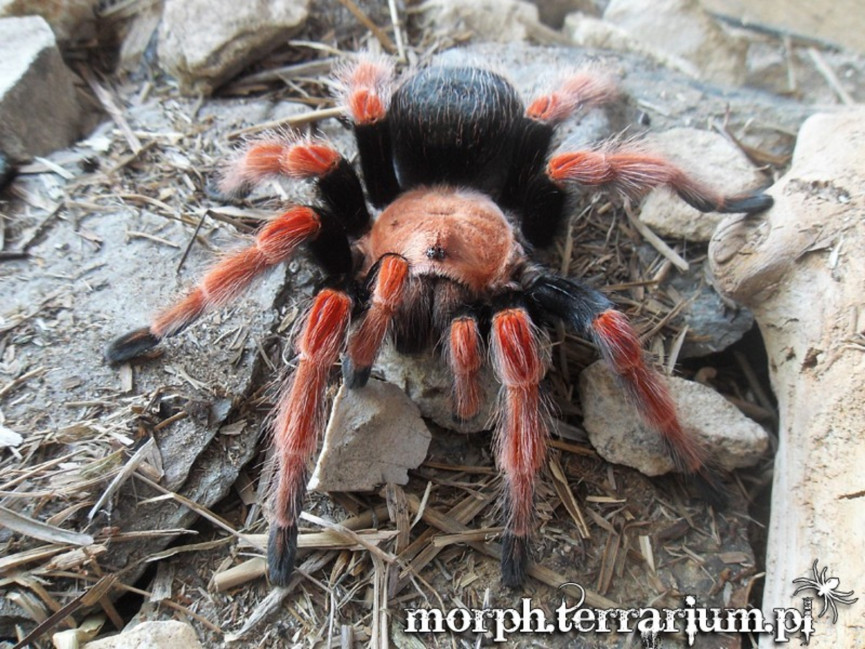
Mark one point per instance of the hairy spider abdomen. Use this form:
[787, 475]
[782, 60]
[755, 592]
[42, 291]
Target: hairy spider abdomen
[458, 234]
[454, 126]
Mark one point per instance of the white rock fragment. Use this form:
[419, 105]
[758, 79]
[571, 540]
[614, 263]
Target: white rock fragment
[375, 435]
[71, 20]
[39, 111]
[151, 635]
[731, 439]
[428, 381]
[708, 157]
[204, 43]
[682, 29]
[498, 21]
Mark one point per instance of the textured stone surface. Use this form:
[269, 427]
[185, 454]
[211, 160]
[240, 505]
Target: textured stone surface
[151, 635]
[499, 21]
[39, 111]
[375, 435]
[204, 43]
[731, 439]
[71, 20]
[707, 156]
[683, 29]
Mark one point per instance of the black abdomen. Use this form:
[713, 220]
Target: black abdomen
[454, 126]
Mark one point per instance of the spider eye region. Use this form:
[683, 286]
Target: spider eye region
[445, 232]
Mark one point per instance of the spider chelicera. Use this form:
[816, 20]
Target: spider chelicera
[463, 186]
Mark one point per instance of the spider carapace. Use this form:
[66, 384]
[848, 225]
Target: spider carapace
[463, 186]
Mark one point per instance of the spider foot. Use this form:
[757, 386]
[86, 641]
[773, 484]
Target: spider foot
[354, 377]
[130, 345]
[281, 553]
[515, 560]
[749, 203]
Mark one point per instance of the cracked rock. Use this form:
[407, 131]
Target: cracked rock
[615, 430]
[374, 436]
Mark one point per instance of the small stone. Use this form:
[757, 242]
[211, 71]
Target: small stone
[731, 440]
[375, 435]
[204, 43]
[428, 381]
[498, 21]
[39, 111]
[71, 20]
[684, 30]
[708, 157]
[151, 635]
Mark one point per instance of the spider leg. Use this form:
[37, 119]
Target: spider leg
[275, 242]
[589, 312]
[299, 420]
[583, 89]
[634, 174]
[529, 192]
[368, 85]
[464, 355]
[522, 432]
[364, 343]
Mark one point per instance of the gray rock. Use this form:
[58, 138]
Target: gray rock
[70, 20]
[615, 430]
[203, 43]
[375, 435]
[713, 322]
[39, 111]
[152, 635]
[682, 29]
[707, 156]
[498, 21]
[427, 380]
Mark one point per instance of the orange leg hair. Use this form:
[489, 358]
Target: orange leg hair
[582, 90]
[621, 348]
[299, 421]
[634, 174]
[387, 296]
[280, 156]
[522, 433]
[465, 357]
[368, 86]
[229, 278]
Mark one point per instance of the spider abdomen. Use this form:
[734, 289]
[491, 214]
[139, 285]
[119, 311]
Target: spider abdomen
[454, 125]
[458, 234]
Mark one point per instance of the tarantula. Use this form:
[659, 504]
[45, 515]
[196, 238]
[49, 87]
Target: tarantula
[463, 187]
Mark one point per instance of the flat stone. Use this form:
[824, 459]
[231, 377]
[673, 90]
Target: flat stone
[374, 436]
[203, 43]
[151, 635]
[39, 111]
[684, 30]
[708, 157]
[616, 431]
[498, 21]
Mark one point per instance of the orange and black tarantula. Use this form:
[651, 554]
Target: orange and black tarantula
[463, 187]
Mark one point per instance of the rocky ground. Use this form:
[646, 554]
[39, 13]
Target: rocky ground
[135, 495]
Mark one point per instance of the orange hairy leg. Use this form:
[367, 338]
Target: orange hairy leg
[582, 90]
[622, 350]
[522, 432]
[276, 241]
[387, 296]
[634, 174]
[465, 357]
[299, 421]
[275, 157]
